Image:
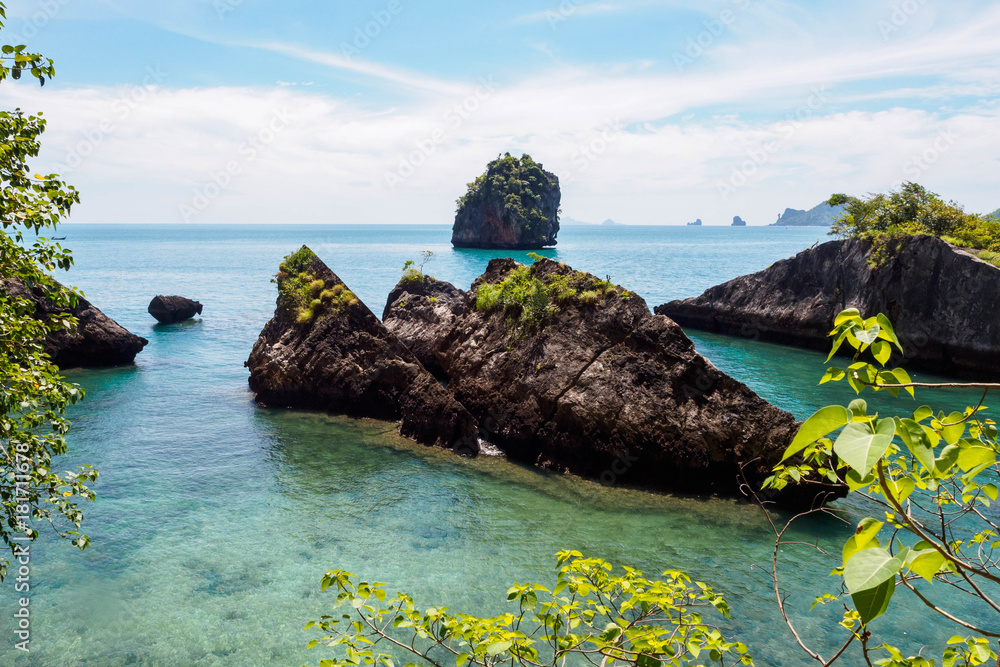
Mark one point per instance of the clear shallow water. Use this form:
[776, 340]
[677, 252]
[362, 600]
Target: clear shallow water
[216, 518]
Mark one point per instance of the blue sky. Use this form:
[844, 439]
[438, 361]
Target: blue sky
[651, 112]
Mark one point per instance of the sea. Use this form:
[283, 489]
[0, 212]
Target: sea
[217, 518]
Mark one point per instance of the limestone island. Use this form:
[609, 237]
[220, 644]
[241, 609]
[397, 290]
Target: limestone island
[514, 205]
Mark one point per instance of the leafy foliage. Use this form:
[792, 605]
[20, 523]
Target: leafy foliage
[307, 296]
[529, 298]
[929, 480]
[914, 210]
[592, 614]
[414, 275]
[33, 396]
[519, 184]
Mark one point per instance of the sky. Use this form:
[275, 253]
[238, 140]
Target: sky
[381, 111]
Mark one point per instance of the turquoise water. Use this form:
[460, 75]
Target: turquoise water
[216, 518]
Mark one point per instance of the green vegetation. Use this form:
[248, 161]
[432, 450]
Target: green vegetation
[928, 482]
[591, 614]
[519, 184]
[33, 396]
[305, 294]
[914, 210]
[413, 275]
[529, 300]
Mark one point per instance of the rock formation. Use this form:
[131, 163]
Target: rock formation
[98, 340]
[419, 311]
[171, 309]
[821, 215]
[738, 221]
[569, 372]
[325, 350]
[941, 301]
[696, 223]
[514, 205]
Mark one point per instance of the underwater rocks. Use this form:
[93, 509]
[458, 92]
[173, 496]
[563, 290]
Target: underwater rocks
[97, 341]
[940, 299]
[324, 349]
[172, 309]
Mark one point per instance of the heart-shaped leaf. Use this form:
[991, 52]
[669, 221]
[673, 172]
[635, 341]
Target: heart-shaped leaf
[822, 423]
[861, 448]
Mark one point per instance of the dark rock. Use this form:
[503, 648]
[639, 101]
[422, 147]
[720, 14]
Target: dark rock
[171, 309]
[98, 340]
[739, 222]
[941, 301]
[604, 389]
[419, 311]
[343, 360]
[486, 217]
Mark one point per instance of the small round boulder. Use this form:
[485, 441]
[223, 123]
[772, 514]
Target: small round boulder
[171, 309]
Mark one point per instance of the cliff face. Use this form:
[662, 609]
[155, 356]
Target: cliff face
[98, 340]
[598, 386]
[419, 311]
[514, 205]
[941, 301]
[325, 350]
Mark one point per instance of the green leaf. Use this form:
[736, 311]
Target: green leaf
[881, 350]
[913, 436]
[922, 413]
[833, 374]
[925, 563]
[496, 648]
[646, 661]
[870, 578]
[858, 408]
[887, 332]
[861, 448]
[953, 428]
[869, 335]
[461, 659]
[970, 458]
[864, 537]
[847, 315]
[820, 424]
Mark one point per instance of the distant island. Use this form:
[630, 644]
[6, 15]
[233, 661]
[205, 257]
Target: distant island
[739, 222]
[611, 223]
[573, 222]
[822, 215]
[696, 223]
[996, 213]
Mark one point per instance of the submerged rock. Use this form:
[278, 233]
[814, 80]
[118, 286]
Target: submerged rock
[941, 301]
[570, 372]
[495, 213]
[171, 309]
[98, 340]
[324, 349]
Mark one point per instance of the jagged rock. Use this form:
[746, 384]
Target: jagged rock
[419, 311]
[492, 214]
[171, 309]
[601, 387]
[941, 301]
[324, 349]
[98, 340]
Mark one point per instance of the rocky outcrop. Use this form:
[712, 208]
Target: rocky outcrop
[585, 379]
[419, 311]
[941, 301]
[172, 309]
[325, 350]
[821, 215]
[738, 221]
[97, 341]
[514, 205]
[696, 223]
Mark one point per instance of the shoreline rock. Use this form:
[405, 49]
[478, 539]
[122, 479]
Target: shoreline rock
[325, 350]
[599, 387]
[940, 299]
[98, 341]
